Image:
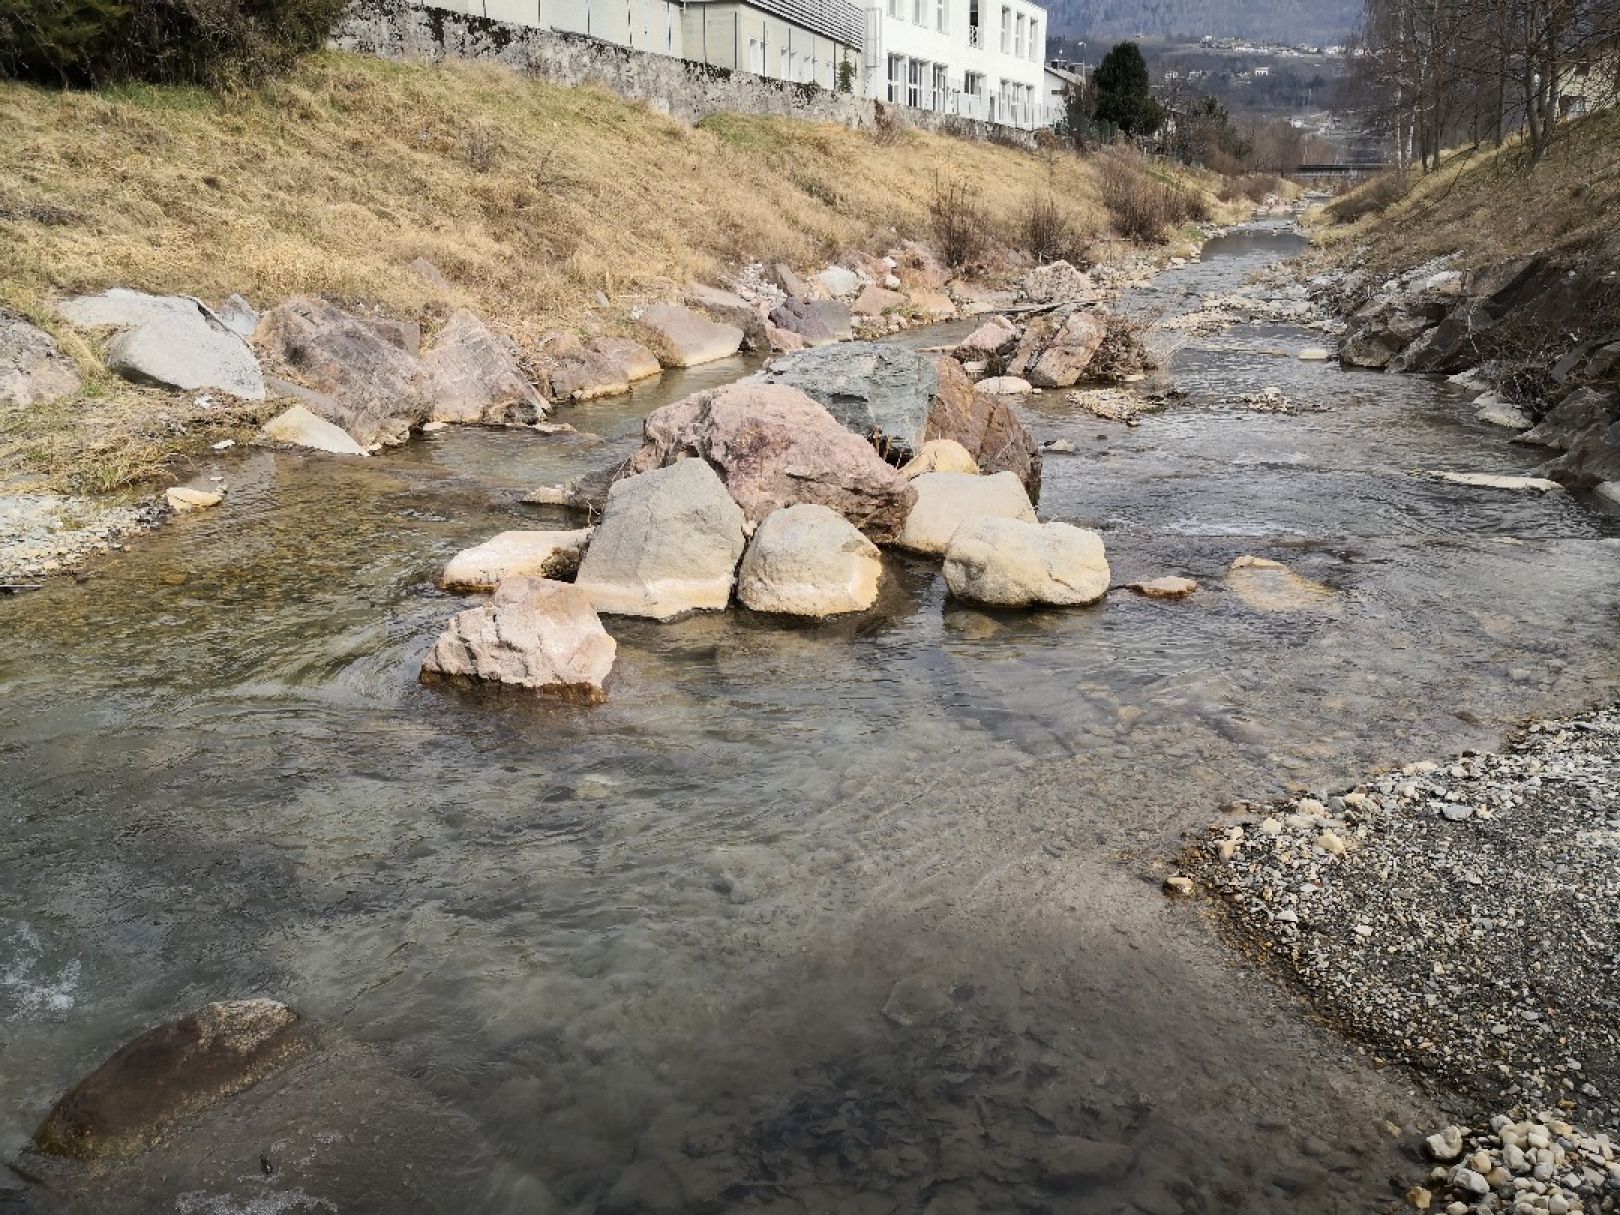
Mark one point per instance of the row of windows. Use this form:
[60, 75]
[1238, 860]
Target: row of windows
[926, 86]
[792, 64]
[1020, 35]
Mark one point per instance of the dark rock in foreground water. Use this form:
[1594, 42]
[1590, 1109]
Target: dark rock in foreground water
[170, 1072]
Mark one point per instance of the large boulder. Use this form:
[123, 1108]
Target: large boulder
[682, 338]
[818, 322]
[1057, 347]
[839, 281]
[476, 379]
[900, 399]
[773, 446]
[947, 500]
[169, 1073]
[365, 371]
[996, 338]
[1563, 424]
[535, 634]
[1015, 563]
[33, 369]
[576, 370]
[172, 341]
[513, 554]
[875, 301]
[807, 560]
[719, 304]
[668, 544]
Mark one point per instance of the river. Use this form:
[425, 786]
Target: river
[854, 916]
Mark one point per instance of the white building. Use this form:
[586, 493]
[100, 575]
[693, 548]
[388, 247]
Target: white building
[981, 59]
[798, 40]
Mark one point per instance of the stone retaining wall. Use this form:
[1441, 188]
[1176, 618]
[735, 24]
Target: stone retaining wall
[400, 30]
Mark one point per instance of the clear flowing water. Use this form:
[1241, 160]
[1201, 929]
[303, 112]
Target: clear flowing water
[854, 916]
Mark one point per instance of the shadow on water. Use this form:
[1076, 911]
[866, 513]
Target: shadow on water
[850, 916]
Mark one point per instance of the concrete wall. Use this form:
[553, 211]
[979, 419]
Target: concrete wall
[399, 29]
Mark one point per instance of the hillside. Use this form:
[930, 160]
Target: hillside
[545, 208]
[1289, 21]
[1489, 204]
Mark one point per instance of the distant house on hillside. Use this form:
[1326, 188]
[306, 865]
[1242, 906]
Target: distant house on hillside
[980, 59]
[1591, 83]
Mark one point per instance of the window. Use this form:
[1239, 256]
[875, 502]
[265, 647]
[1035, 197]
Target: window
[914, 83]
[756, 57]
[941, 88]
[1035, 41]
[919, 12]
[939, 15]
[897, 78]
[1018, 41]
[973, 84]
[1006, 30]
[895, 9]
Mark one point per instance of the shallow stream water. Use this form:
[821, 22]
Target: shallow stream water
[856, 916]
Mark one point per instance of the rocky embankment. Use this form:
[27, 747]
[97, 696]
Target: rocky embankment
[1538, 337]
[348, 382]
[1460, 918]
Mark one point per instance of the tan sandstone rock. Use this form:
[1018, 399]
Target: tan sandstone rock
[668, 543]
[476, 379]
[543, 554]
[535, 634]
[1013, 563]
[683, 338]
[940, 455]
[947, 500]
[1056, 349]
[807, 560]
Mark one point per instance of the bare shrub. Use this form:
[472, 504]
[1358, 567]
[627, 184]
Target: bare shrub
[479, 145]
[887, 125]
[1123, 351]
[1144, 207]
[1049, 234]
[1255, 187]
[1372, 197]
[959, 221]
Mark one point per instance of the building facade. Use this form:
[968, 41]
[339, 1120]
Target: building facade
[977, 59]
[982, 59]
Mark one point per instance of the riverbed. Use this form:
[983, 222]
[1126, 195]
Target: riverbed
[858, 916]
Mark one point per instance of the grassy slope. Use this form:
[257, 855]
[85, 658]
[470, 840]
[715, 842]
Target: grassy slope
[529, 197]
[1489, 204]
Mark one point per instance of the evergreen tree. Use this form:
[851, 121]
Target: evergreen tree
[1123, 97]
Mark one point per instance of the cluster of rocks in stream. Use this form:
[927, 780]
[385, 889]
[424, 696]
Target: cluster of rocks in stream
[1457, 917]
[1540, 1164]
[1532, 335]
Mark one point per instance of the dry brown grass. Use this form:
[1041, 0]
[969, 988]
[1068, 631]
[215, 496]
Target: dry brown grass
[529, 197]
[1490, 204]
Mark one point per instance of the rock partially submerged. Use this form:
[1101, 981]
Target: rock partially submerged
[169, 1073]
[945, 501]
[576, 370]
[534, 634]
[33, 369]
[668, 543]
[475, 378]
[807, 560]
[364, 373]
[900, 399]
[1271, 586]
[995, 338]
[1534, 485]
[818, 322]
[1056, 348]
[181, 498]
[1172, 587]
[542, 554]
[683, 338]
[302, 428]
[1008, 562]
[172, 341]
[773, 446]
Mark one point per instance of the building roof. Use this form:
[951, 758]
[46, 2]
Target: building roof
[835, 19]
